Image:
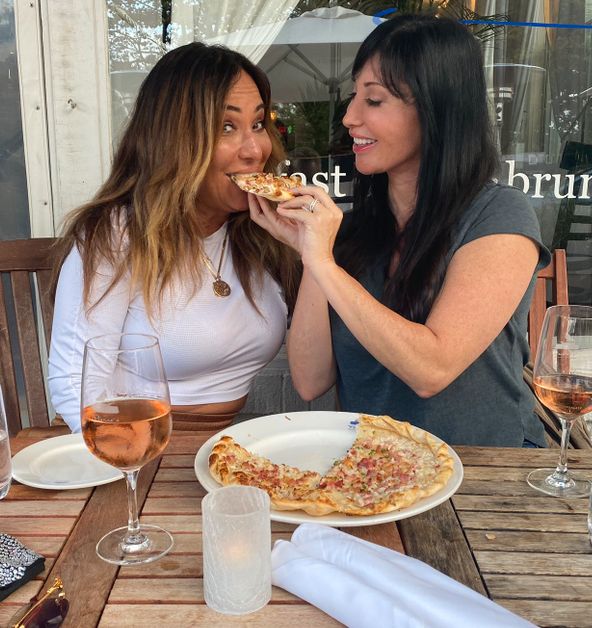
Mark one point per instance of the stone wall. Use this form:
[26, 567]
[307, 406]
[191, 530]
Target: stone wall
[273, 392]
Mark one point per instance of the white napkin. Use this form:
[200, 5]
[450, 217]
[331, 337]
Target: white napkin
[364, 585]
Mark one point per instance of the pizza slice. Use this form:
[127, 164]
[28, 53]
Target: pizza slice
[273, 187]
[389, 466]
[286, 486]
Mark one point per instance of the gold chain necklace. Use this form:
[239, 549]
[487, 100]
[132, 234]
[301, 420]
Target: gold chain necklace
[219, 286]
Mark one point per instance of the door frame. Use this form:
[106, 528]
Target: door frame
[62, 48]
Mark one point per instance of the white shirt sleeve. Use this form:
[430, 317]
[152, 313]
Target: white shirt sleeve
[73, 325]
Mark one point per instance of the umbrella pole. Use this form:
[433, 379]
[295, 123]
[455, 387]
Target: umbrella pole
[333, 85]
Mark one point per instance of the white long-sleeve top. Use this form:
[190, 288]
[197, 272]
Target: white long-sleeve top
[212, 347]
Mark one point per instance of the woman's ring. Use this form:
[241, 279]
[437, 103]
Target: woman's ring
[310, 207]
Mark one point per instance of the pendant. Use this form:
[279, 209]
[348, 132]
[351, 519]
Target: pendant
[221, 288]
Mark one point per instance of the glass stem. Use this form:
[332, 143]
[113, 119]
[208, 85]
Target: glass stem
[561, 469]
[133, 535]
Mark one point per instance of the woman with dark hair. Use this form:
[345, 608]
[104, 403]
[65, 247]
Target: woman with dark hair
[167, 247]
[416, 305]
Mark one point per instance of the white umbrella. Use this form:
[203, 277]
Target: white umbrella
[310, 59]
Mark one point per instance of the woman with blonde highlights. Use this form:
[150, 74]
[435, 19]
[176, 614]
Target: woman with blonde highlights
[166, 247]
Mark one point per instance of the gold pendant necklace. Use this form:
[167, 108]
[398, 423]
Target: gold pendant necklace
[219, 286]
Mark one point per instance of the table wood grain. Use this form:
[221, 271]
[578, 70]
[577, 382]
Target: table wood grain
[531, 550]
[527, 551]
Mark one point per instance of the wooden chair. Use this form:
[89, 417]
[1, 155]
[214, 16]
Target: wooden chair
[26, 307]
[555, 274]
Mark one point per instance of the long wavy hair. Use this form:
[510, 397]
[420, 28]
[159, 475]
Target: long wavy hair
[145, 218]
[436, 64]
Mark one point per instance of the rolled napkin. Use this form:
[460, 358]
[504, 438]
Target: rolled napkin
[364, 585]
[335, 591]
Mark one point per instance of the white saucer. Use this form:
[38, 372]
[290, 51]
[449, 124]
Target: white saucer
[63, 462]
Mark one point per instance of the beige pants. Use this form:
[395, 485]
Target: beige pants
[190, 421]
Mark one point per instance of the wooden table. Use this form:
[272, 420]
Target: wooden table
[527, 551]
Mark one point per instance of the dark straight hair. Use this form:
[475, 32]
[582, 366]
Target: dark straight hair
[436, 64]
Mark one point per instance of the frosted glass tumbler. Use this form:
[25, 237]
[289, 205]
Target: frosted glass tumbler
[236, 549]
[5, 462]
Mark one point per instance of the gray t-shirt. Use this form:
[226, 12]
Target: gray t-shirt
[489, 404]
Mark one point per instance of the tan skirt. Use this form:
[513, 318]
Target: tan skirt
[195, 421]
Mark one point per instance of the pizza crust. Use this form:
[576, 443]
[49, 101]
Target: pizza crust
[379, 442]
[287, 486]
[405, 453]
[384, 426]
[272, 187]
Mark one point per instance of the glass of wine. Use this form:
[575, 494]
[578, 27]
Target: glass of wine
[126, 422]
[562, 379]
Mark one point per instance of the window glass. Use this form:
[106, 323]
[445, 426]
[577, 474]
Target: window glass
[538, 63]
[14, 217]
[138, 37]
[539, 68]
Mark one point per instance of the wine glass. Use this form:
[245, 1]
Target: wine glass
[562, 379]
[126, 422]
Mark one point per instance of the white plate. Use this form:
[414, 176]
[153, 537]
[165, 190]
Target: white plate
[312, 440]
[63, 462]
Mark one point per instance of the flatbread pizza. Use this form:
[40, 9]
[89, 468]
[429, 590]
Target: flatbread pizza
[270, 186]
[287, 486]
[389, 466]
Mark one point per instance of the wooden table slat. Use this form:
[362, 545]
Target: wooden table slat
[509, 475]
[522, 458]
[518, 488]
[29, 508]
[175, 475]
[21, 492]
[503, 504]
[552, 612]
[532, 541]
[524, 522]
[435, 537]
[186, 590]
[179, 489]
[172, 505]
[27, 526]
[271, 616]
[178, 461]
[539, 564]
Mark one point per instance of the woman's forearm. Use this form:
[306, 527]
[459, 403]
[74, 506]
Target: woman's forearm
[310, 352]
[484, 283]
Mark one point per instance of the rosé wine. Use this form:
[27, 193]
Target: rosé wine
[127, 433]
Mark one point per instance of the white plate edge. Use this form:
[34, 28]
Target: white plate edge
[46, 445]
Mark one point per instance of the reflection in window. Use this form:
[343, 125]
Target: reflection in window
[139, 34]
[540, 83]
[541, 86]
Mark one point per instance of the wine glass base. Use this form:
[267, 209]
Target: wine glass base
[153, 543]
[545, 481]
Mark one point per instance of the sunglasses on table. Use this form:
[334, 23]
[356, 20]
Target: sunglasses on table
[44, 610]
